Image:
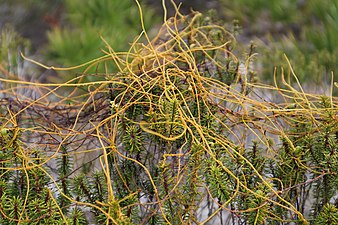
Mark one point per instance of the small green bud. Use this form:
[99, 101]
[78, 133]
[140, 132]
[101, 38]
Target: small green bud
[211, 144]
[4, 132]
[298, 149]
[260, 192]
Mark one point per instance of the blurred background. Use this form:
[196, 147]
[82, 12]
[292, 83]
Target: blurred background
[68, 32]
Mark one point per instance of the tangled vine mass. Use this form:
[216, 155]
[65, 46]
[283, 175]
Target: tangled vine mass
[182, 133]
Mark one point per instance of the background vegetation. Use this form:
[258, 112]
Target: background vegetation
[303, 30]
[87, 23]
